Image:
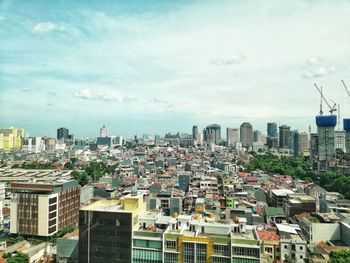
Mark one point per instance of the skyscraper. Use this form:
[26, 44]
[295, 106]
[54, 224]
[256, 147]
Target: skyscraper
[284, 136]
[347, 139]
[326, 140]
[304, 146]
[62, 133]
[232, 136]
[195, 132]
[246, 134]
[272, 130]
[294, 142]
[212, 134]
[104, 131]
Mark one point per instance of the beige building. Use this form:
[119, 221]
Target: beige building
[43, 209]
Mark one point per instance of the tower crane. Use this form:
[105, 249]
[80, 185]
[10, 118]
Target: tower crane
[346, 88]
[331, 108]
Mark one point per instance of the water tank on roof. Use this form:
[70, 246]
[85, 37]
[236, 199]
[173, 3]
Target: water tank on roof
[326, 121]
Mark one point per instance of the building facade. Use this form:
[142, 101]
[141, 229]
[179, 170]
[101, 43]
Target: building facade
[232, 136]
[44, 209]
[284, 136]
[212, 134]
[246, 134]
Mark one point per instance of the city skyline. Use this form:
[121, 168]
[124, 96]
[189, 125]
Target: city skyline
[141, 68]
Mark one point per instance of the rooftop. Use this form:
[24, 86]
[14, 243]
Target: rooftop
[104, 206]
[268, 235]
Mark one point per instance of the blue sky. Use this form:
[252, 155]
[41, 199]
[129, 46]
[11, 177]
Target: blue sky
[158, 66]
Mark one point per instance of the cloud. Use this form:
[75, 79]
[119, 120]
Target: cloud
[84, 94]
[25, 90]
[235, 59]
[129, 98]
[313, 60]
[2, 18]
[106, 97]
[45, 27]
[318, 72]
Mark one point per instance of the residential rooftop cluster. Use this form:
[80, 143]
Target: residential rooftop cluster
[177, 198]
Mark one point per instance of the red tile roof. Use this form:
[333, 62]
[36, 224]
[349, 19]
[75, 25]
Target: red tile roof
[268, 235]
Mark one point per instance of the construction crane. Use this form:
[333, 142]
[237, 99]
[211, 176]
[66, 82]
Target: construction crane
[331, 108]
[346, 88]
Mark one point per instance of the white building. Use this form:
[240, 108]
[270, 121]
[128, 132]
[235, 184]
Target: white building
[104, 131]
[33, 144]
[340, 140]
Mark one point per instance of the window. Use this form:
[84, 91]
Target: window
[285, 247]
[301, 247]
[268, 250]
[221, 249]
[171, 258]
[171, 244]
[301, 256]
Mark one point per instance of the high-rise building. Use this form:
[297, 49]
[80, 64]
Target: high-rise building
[106, 229]
[272, 142]
[340, 140]
[246, 134]
[50, 144]
[259, 137]
[195, 132]
[33, 144]
[272, 130]
[212, 134]
[304, 146]
[284, 136]
[232, 136]
[43, 209]
[11, 139]
[326, 140]
[347, 139]
[294, 142]
[104, 131]
[62, 133]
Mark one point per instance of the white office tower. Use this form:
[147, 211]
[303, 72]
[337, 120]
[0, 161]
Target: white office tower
[104, 131]
[33, 144]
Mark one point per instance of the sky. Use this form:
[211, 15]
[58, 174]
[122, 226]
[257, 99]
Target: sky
[152, 67]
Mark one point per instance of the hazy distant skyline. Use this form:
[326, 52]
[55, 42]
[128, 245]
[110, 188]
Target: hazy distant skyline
[159, 66]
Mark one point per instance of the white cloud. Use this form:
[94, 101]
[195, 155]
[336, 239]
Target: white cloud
[313, 60]
[84, 94]
[2, 18]
[44, 27]
[318, 72]
[235, 59]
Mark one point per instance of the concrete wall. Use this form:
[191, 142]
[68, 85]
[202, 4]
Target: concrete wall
[13, 222]
[325, 232]
[345, 233]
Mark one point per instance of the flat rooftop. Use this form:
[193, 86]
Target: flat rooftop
[104, 206]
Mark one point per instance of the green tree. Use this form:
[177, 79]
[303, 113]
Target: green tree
[81, 177]
[18, 258]
[342, 256]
